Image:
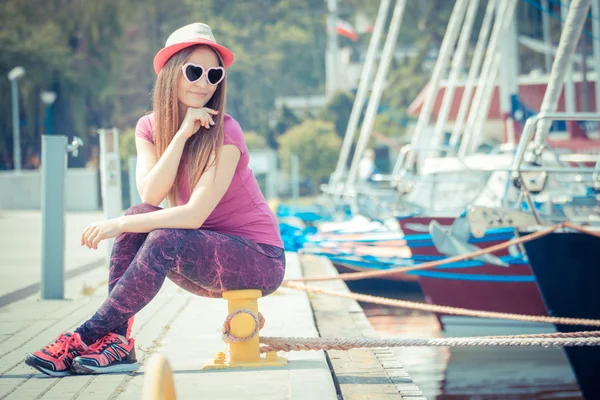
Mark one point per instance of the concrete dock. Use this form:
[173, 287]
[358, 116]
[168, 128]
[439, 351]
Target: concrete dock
[185, 328]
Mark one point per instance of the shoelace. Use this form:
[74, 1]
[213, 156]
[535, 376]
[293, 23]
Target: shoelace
[102, 343]
[60, 348]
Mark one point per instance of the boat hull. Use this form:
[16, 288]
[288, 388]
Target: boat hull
[566, 266]
[488, 288]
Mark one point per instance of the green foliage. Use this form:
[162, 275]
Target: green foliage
[338, 111]
[255, 140]
[389, 126]
[72, 47]
[97, 56]
[126, 147]
[286, 119]
[316, 145]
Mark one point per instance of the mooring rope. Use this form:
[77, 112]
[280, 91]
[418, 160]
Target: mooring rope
[443, 309]
[307, 343]
[228, 337]
[587, 338]
[568, 339]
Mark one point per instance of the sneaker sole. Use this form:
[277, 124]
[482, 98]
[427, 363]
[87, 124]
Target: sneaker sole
[78, 368]
[30, 360]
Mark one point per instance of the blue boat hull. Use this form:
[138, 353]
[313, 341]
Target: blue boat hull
[567, 269]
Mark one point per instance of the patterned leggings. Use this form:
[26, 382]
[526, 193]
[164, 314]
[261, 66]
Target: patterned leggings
[200, 261]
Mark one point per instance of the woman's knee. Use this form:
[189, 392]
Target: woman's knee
[165, 242]
[141, 209]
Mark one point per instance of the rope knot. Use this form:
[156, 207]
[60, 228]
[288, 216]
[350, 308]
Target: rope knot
[228, 337]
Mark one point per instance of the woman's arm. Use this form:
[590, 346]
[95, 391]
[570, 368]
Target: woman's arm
[154, 177]
[206, 195]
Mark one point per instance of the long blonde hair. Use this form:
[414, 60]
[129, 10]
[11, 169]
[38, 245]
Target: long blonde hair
[202, 145]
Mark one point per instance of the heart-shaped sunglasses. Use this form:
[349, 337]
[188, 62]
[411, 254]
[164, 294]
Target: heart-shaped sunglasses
[195, 72]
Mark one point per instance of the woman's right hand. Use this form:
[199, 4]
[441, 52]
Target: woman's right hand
[194, 119]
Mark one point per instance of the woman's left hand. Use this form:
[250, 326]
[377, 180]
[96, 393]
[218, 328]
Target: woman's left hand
[97, 231]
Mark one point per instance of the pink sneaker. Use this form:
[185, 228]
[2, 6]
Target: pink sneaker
[56, 359]
[112, 353]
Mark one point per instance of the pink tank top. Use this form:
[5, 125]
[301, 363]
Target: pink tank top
[243, 210]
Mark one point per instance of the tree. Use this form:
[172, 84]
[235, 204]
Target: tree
[338, 111]
[255, 140]
[98, 57]
[69, 46]
[286, 119]
[317, 147]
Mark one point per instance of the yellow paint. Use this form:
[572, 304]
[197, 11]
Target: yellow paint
[158, 381]
[244, 354]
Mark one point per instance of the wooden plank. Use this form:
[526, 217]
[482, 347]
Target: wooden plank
[360, 373]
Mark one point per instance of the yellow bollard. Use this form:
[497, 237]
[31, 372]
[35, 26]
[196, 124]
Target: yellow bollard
[158, 381]
[243, 325]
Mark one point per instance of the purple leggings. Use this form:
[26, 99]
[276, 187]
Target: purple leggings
[200, 261]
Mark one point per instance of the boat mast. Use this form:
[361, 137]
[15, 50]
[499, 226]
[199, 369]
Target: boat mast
[569, 37]
[596, 47]
[480, 107]
[332, 59]
[448, 44]
[371, 112]
[361, 94]
[547, 36]
[508, 87]
[474, 71]
[457, 65]
[569, 84]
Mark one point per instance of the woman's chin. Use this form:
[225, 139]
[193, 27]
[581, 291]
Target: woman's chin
[195, 103]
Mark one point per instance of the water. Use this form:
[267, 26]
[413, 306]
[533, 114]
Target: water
[444, 373]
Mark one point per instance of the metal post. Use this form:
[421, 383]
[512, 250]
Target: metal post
[54, 166]
[294, 176]
[16, 124]
[134, 195]
[271, 181]
[110, 178]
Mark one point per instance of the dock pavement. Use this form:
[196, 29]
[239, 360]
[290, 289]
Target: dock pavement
[186, 329]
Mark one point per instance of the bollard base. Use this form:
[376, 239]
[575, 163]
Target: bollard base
[271, 360]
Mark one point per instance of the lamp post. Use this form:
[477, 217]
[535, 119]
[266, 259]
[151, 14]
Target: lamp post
[14, 75]
[48, 97]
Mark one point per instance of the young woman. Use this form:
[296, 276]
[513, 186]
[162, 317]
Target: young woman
[219, 233]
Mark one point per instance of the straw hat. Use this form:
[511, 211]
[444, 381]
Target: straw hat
[190, 35]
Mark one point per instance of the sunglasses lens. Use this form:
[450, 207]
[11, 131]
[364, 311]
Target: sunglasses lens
[193, 73]
[215, 76]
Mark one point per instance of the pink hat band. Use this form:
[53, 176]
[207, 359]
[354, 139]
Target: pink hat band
[190, 35]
